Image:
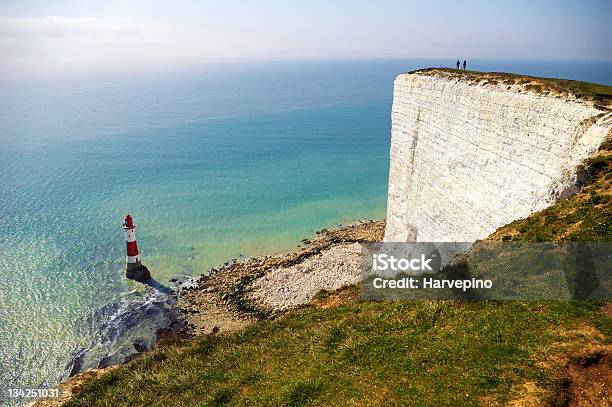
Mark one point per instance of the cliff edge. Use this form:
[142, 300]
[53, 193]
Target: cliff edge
[471, 152]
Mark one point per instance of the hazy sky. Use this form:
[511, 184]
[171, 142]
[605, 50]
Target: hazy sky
[109, 34]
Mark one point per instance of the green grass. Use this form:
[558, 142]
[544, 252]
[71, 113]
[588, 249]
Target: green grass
[600, 94]
[415, 353]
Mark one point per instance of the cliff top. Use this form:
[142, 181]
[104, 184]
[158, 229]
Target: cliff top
[599, 95]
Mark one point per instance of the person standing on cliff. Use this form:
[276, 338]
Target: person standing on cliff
[463, 64]
[458, 64]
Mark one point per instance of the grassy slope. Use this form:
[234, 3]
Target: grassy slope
[418, 353]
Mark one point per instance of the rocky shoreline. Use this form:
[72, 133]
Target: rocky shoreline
[241, 292]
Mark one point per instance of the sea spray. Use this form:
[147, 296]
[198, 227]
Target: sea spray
[127, 328]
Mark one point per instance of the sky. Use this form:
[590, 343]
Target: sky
[67, 35]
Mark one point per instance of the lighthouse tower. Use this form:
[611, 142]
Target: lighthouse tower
[133, 267]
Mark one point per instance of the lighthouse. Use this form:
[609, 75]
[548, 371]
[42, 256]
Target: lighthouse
[134, 269]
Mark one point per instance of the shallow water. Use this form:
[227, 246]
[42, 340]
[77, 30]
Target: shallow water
[213, 163]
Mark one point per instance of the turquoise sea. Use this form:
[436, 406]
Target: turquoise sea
[213, 162]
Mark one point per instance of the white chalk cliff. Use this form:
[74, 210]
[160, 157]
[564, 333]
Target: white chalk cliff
[470, 155]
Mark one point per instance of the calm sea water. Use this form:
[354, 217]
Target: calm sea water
[213, 163]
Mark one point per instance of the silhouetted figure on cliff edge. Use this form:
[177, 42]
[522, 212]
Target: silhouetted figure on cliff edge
[464, 64]
[458, 64]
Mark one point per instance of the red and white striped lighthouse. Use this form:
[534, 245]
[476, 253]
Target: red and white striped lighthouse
[133, 267]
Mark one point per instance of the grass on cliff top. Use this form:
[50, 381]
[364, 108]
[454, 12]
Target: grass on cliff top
[597, 93]
[364, 353]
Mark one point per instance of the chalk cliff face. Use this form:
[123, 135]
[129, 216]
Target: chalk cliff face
[469, 156]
